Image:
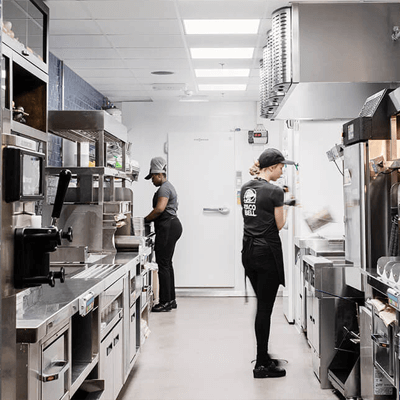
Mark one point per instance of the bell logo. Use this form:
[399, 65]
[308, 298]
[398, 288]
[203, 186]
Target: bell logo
[249, 200]
[250, 196]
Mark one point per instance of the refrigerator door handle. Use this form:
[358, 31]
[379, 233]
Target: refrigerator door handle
[221, 210]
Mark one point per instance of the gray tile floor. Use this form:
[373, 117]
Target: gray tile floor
[203, 351]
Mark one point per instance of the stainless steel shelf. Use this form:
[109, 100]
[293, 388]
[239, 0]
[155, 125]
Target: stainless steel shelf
[79, 373]
[28, 131]
[86, 126]
[89, 171]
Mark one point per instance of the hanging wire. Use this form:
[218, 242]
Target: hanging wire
[337, 166]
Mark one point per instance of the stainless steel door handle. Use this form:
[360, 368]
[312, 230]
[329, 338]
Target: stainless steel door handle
[54, 370]
[221, 210]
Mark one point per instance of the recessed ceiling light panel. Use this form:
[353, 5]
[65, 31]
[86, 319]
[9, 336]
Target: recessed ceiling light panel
[221, 26]
[222, 53]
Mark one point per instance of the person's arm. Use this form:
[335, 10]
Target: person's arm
[158, 210]
[280, 216]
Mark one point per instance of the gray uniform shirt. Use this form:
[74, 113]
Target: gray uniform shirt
[167, 190]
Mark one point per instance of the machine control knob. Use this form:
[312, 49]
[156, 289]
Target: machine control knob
[67, 235]
[51, 279]
[60, 275]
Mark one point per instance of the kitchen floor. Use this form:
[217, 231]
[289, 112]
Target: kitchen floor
[204, 349]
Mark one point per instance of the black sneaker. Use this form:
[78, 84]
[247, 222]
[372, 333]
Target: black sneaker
[173, 304]
[270, 371]
[161, 307]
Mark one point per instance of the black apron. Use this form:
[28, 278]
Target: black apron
[275, 246]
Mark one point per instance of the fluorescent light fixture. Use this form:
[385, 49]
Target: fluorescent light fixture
[221, 26]
[221, 53]
[222, 73]
[223, 87]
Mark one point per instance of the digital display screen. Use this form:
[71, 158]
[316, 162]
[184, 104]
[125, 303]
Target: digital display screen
[31, 175]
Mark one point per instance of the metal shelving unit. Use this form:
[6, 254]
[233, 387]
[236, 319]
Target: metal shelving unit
[99, 188]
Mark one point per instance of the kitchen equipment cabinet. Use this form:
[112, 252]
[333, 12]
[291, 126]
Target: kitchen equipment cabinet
[24, 68]
[331, 306]
[101, 338]
[111, 362]
[374, 385]
[25, 29]
[55, 363]
[43, 368]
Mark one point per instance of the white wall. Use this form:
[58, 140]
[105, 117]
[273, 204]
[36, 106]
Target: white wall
[319, 182]
[148, 126]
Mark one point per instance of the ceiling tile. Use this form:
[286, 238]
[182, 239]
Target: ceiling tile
[91, 64]
[128, 9]
[74, 27]
[146, 41]
[87, 54]
[141, 27]
[72, 9]
[221, 9]
[115, 44]
[78, 41]
[103, 73]
[158, 65]
[182, 76]
[155, 52]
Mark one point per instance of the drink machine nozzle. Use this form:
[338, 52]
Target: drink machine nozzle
[32, 246]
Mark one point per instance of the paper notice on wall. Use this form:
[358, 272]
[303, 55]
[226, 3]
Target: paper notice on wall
[382, 386]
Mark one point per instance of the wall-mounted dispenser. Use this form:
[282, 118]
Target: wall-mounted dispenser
[32, 246]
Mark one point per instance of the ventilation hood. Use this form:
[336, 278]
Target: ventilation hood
[322, 61]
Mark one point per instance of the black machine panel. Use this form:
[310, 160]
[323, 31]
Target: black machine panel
[373, 121]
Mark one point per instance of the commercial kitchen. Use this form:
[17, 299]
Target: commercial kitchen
[92, 91]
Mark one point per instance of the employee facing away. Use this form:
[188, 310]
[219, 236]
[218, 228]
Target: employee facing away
[264, 215]
[168, 230]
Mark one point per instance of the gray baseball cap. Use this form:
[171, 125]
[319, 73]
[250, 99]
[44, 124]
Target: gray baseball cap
[157, 165]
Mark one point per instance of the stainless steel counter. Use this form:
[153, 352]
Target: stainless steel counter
[321, 246]
[55, 305]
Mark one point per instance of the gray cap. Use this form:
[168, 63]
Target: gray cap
[157, 165]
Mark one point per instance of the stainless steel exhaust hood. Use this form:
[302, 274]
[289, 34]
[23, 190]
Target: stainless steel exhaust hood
[322, 60]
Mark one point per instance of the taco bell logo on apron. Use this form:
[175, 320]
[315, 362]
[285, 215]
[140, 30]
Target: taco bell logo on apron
[249, 200]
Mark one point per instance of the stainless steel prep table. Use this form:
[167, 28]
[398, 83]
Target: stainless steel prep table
[61, 302]
[54, 313]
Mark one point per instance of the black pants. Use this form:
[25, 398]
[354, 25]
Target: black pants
[260, 268]
[167, 234]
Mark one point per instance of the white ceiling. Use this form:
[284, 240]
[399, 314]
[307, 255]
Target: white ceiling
[116, 44]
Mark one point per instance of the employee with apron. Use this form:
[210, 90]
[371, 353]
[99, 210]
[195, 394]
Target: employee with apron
[168, 230]
[264, 215]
